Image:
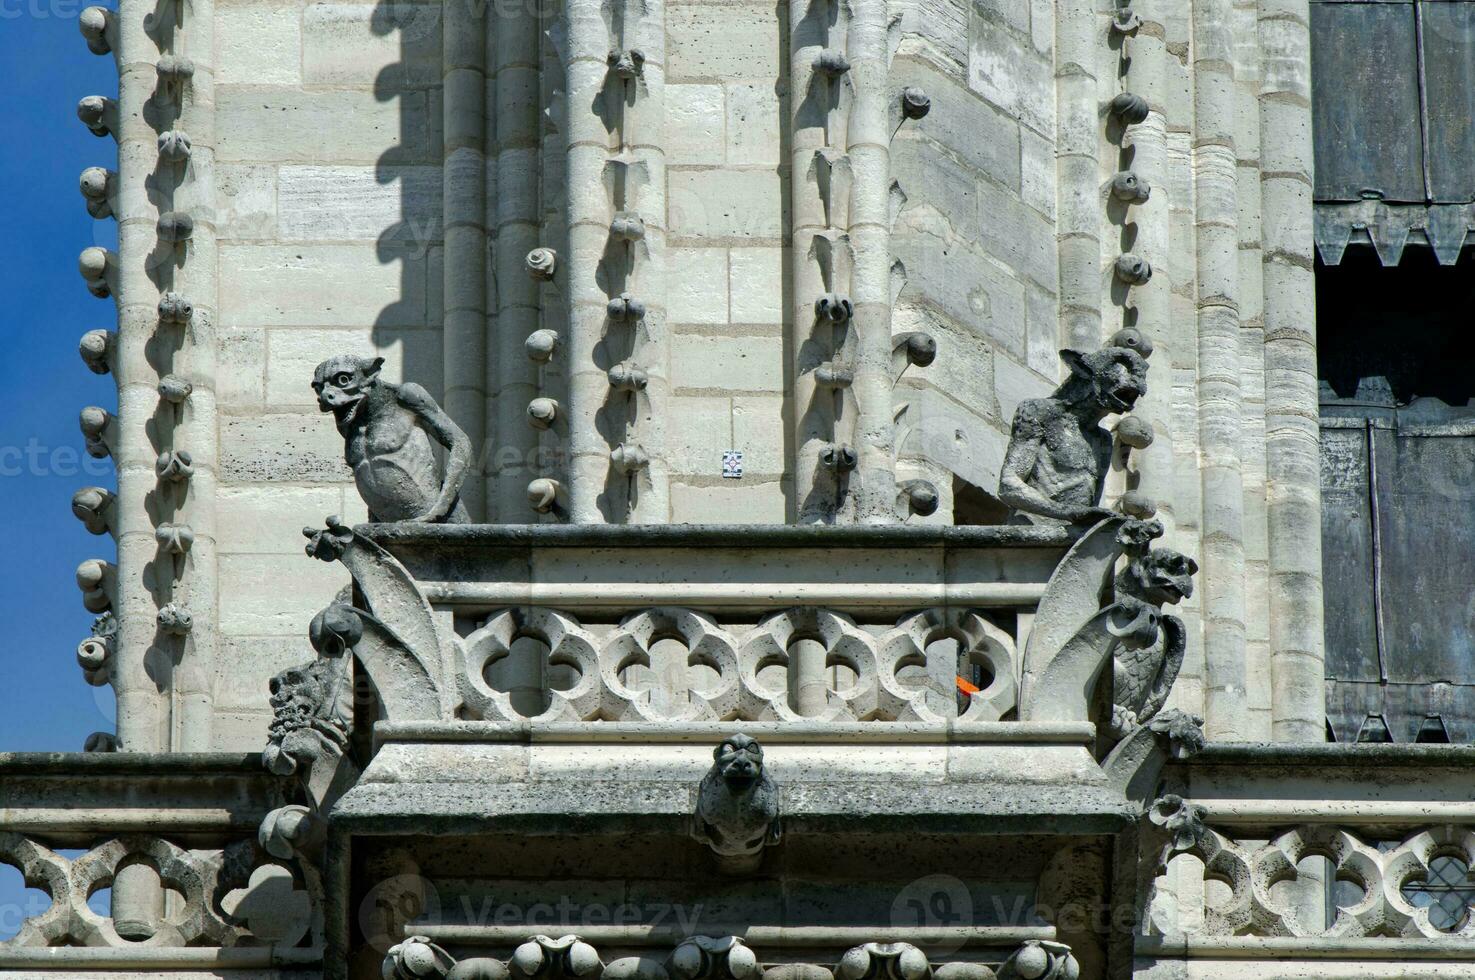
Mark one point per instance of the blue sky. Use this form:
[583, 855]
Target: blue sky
[46, 706]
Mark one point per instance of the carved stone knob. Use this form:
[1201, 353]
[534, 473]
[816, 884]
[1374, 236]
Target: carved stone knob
[626, 309]
[175, 68]
[90, 505]
[175, 310]
[627, 228]
[94, 263]
[1131, 338]
[94, 422]
[628, 377]
[416, 959]
[94, 23]
[1037, 960]
[1130, 108]
[834, 308]
[838, 458]
[96, 185]
[542, 413]
[174, 146]
[543, 495]
[627, 458]
[94, 656]
[175, 620]
[94, 111]
[1133, 270]
[174, 539]
[921, 349]
[915, 103]
[1134, 432]
[627, 64]
[102, 742]
[542, 263]
[919, 498]
[287, 831]
[174, 389]
[1130, 188]
[95, 347]
[175, 467]
[176, 227]
[832, 375]
[92, 579]
[1136, 504]
[1125, 20]
[831, 63]
[541, 345]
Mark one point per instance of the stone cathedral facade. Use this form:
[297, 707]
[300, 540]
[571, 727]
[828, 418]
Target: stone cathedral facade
[793, 489]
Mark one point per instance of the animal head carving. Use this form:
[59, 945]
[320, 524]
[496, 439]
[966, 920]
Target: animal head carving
[739, 761]
[1158, 577]
[343, 382]
[1110, 379]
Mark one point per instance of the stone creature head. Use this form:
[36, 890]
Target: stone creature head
[739, 761]
[1158, 577]
[343, 382]
[1109, 380]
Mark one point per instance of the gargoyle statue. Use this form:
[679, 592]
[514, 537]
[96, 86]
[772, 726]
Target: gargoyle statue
[387, 430]
[1147, 660]
[737, 803]
[1059, 454]
[313, 703]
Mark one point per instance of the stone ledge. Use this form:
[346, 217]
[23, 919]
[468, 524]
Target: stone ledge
[393, 536]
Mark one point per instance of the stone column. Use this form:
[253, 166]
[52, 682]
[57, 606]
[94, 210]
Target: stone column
[1292, 431]
[1078, 228]
[463, 333]
[1219, 400]
[516, 225]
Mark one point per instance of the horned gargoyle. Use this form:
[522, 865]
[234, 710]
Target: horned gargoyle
[387, 431]
[1114, 658]
[1058, 457]
[737, 805]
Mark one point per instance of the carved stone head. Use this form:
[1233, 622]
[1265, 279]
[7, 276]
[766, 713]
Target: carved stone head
[739, 760]
[343, 382]
[1158, 577]
[1111, 379]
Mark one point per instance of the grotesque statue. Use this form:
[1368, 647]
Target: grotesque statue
[1146, 663]
[312, 704]
[737, 803]
[387, 430]
[1058, 452]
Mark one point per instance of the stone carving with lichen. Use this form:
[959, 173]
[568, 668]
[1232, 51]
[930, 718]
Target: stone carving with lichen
[1147, 660]
[387, 431]
[1058, 456]
[737, 803]
[313, 703]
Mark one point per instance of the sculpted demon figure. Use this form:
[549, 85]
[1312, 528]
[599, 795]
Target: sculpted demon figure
[737, 803]
[1058, 452]
[312, 705]
[387, 429]
[1146, 663]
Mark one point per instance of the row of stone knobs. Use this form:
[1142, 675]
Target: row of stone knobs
[95, 506]
[542, 345]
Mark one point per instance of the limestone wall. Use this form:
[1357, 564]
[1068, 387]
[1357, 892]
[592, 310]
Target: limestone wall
[339, 161]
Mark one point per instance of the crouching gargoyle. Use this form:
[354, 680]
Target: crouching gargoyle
[387, 431]
[1058, 457]
[1113, 659]
[737, 805]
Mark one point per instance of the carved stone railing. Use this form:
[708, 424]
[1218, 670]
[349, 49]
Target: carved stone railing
[70, 823]
[637, 953]
[1239, 856]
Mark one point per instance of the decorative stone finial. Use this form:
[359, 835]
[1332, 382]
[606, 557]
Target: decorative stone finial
[92, 578]
[541, 345]
[1130, 188]
[175, 227]
[102, 742]
[627, 227]
[915, 103]
[835, 308]
[96, 185]
[95, 348]
[95, 654]
[628, 459]
[290, 831]
[542, 413]
[832, 375]
[174, 539]
[543, 495]
[387, 431]
[542, 264]
[627, 64]
[175, 310]
[417, 958]
[883, 961]
[1130, 108]
[714, 958]
[831, 63]
[1125, 20]
[175, 466]
[174, 146]
[98, 113]
[628, 377]
[94, 422]
[1058, 453]
[917, 498]
[1133, 270]
[626, 309]
[1041, 960]
[175, 620]
[546, 958]
[96, 23]
[838, 458]
[95, 264]
[174, 389]
[737, 812]
[92, 505]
